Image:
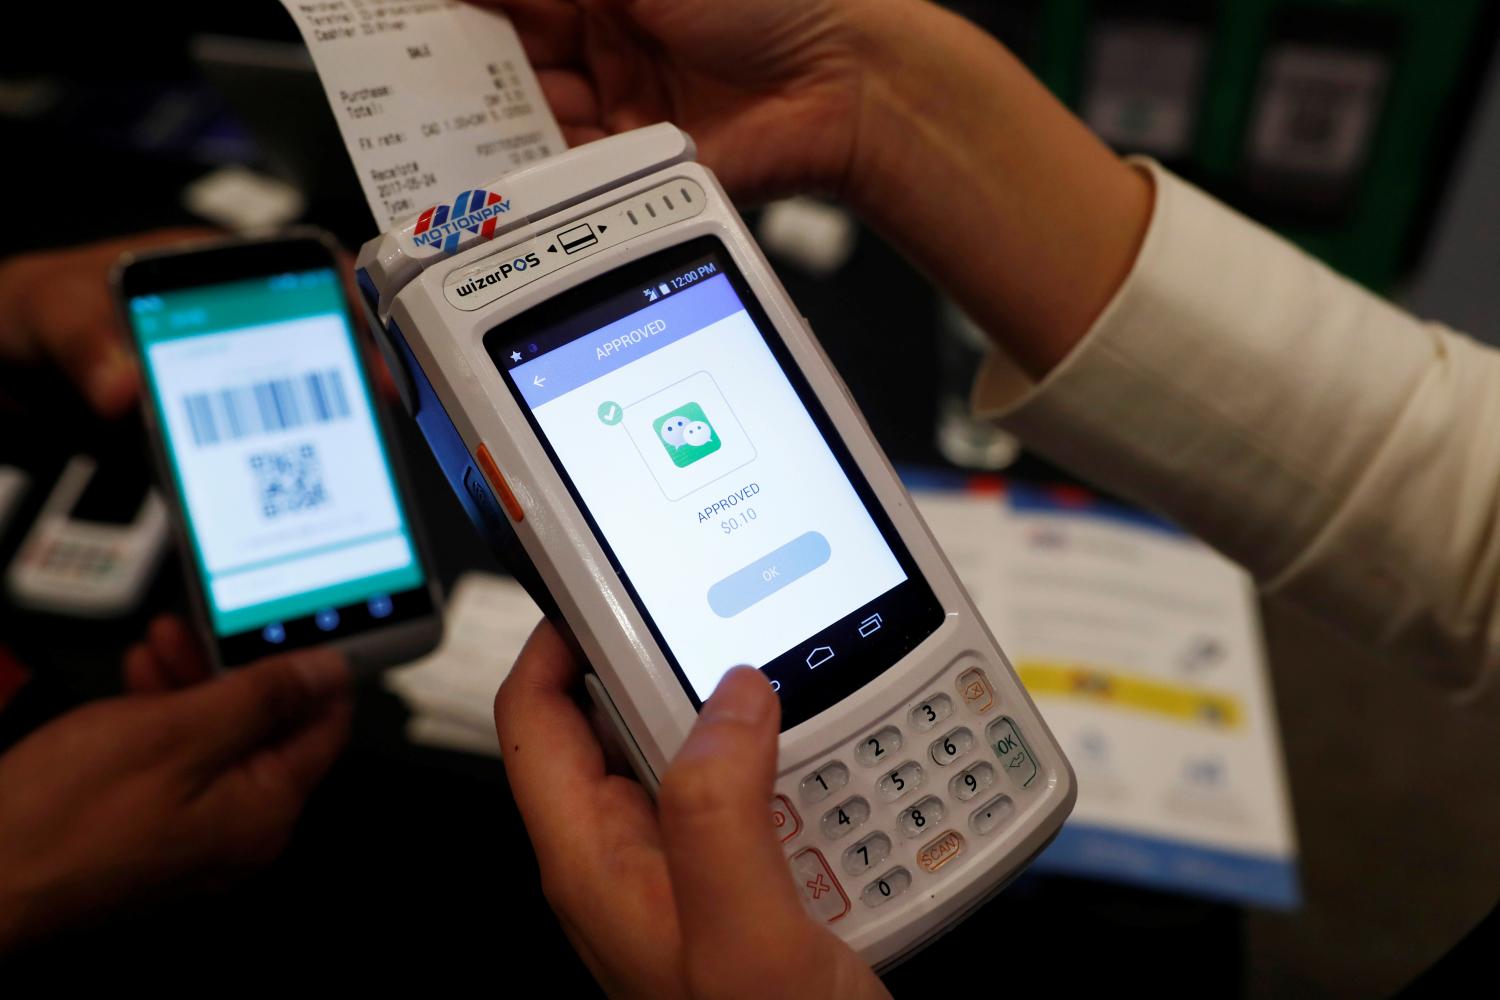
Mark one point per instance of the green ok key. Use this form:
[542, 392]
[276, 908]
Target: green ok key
[1015, 756]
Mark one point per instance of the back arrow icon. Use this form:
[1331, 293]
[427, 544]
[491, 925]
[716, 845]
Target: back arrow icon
[538, 380]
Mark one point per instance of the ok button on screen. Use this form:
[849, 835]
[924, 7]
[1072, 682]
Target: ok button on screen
[768, 574]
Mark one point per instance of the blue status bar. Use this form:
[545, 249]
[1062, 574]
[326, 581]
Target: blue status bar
[672, 317]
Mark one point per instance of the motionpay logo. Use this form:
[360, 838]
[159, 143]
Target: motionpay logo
[472, 211]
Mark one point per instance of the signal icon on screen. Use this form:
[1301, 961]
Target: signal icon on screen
[651, 295]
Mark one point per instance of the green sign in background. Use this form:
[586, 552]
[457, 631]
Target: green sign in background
[1437, 44]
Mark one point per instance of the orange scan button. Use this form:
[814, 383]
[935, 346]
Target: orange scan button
[498, 484]
[941, 851]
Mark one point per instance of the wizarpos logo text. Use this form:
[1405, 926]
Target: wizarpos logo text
[498, 275]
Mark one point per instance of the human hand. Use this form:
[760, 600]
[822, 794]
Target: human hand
[688, 897]
[55, 306]
[771, 91]
[178, 784]
[924, 124]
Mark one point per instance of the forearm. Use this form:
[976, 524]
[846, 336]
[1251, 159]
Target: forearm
[1337, 447]
[964, 160]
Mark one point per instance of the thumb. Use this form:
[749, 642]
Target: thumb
[234, 715]
[733, 888]
[76, 328]
[108, 375]
[90, 352]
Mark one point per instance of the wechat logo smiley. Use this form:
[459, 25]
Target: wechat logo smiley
[686, 434]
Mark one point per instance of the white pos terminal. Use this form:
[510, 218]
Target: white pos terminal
[635, 416]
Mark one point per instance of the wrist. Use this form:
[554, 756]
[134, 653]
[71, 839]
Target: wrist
[989, 184]
[908, 53]
[873, 111]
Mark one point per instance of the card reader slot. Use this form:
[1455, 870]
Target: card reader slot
[505, 270]
[393, 362]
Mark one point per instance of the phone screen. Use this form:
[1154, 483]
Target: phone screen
[297, 527]
[714, 480]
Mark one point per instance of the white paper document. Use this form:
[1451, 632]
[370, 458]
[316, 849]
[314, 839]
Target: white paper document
[1142, 649]
[434, 98]
[451, 691]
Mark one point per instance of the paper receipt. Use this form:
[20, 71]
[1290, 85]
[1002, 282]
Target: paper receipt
[433, 97]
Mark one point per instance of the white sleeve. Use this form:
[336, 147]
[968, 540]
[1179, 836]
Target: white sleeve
[1345, 452]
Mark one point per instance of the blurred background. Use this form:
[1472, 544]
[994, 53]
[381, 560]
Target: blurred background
[1368, 131]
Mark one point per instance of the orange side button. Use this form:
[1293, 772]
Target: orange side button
[499, 485]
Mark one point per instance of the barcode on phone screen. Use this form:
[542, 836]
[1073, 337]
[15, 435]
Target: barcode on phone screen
[263, 407]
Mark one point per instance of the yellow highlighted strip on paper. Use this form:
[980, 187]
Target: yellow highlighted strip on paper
[1139, 694]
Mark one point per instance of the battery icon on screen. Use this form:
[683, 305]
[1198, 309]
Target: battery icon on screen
[664, 289]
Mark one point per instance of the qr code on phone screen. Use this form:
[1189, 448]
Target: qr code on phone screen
[288, 480]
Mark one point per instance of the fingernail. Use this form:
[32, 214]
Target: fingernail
[323, 672]
[743, 696]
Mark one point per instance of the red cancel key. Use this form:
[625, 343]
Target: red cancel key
[784, 818]
[820, 890]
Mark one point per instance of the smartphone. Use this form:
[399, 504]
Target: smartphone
[636, 417]
[292, 509]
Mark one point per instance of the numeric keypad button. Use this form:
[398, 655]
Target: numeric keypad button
[877, 748]
[1016, 758]
[824, 782]
[897, 783]
[845, 818]
[867, 854]
[887, 887]
[930, 712]
[971, 781]
[951, 746]
[992, 815]
[921, 817]
[943, 849]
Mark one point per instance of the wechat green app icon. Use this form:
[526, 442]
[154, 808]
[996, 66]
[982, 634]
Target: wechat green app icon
[686, 434]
